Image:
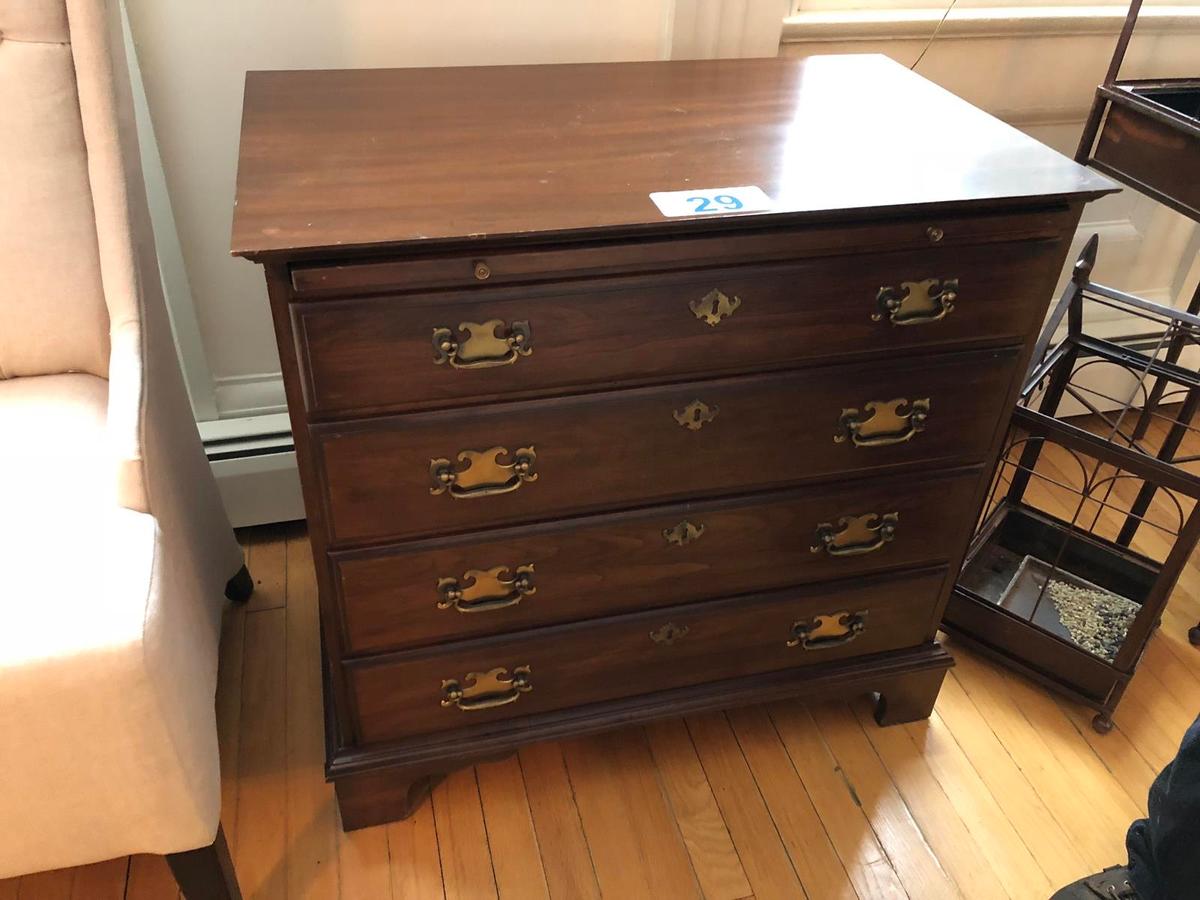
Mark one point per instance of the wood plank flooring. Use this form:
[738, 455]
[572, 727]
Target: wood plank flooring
[1004, 793]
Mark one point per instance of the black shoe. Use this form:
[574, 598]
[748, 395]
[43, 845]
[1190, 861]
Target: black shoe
[1111, 884]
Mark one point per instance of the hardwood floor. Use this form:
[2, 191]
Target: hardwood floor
[1004, 792]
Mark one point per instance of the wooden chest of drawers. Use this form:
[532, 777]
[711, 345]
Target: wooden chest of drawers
[571, 463]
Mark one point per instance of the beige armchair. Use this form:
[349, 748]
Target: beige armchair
[115, 550]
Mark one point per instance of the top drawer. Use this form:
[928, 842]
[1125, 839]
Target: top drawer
[436, 349]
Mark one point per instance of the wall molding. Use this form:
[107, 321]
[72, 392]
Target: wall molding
[984, 22]
[177, 290]
[249, 395]
[721, 29]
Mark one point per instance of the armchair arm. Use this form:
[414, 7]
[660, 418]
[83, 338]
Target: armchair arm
[161, 468]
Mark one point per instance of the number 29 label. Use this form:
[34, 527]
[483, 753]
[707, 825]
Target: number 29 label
[711, 201]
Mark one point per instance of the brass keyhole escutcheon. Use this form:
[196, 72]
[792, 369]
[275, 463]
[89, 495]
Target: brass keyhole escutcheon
[668, 634]
[482, 271]
[683, 534]
[696, 415]
[714, 306]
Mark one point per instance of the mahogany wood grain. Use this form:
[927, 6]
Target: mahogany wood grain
[605, 565]
[378, 200]
[574, 665]
[382, 783]
[377, 354]
[331, 159]
[601, 451]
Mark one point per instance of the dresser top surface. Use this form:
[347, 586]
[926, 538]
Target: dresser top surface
[394, 157]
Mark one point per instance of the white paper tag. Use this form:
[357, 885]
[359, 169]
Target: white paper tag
[711, 201]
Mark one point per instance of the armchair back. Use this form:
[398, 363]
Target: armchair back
[53, 317]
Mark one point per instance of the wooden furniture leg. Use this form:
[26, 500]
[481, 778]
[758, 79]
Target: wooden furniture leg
[206, 873]
[372, 798]
[909, 698]
[240, 586]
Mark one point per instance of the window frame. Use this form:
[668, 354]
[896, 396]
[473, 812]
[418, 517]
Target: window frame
[799, 7]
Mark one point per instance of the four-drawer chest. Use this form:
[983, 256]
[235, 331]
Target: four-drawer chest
[575, 456]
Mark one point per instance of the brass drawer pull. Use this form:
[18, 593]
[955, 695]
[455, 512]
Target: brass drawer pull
[485, 345]
[917, 302]
[669, 633]
[480, 590]
[855, 535]
[487, 690]
[714, 306]
[484, 474]
[696, 415]
[824, 632]
[683, 534]
[883, 422]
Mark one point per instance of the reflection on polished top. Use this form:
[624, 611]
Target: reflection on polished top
[395, 156]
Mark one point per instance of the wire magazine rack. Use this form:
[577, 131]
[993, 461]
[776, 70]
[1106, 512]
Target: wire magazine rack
[1092, 511]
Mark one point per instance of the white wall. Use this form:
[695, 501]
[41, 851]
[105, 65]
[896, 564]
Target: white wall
[193, 59]
[1040, 77]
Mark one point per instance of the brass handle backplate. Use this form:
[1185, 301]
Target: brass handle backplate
[482, 345]
[479, 473]
[696, 415]
[855, 535]
[480, 590]
[487, 690]
[883, 422]
[825, 631]
[916, 302]
[714, 306]
[683, 534]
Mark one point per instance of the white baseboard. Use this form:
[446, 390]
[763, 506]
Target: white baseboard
[258, 490]
[254, 462]
[249, 395]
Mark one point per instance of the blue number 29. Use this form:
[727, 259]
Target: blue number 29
[723, 202]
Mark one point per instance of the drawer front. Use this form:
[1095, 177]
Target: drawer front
[461, 470]
[497, 265]
[437, 349]
[467, 684]
[477, 585]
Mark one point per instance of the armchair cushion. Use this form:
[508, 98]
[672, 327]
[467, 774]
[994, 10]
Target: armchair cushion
[53, 318]
[53, 450]
[107, 663]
